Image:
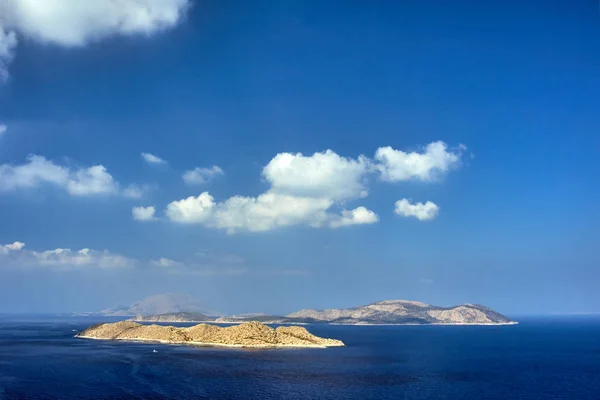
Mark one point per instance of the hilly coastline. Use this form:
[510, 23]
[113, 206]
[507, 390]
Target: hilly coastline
[387, 312]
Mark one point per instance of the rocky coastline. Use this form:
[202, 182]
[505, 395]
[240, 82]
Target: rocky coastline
[249, 334]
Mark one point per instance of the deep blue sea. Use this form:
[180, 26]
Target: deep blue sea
[541, 358]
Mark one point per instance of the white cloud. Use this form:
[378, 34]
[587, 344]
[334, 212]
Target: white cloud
[165, 263]
[422, 212]
[263, 213]
[324, 174]
[38, 170]
[269, 211]
[83, 257]
[71, 23]
[306, 190]
[152, 159]
[191, 210]
[3, 128]
[76, 181]
[396, 165]
[143, 213]
[358, 216]
[135, 191]
[16, 246]
[62, 259]
[303, 191]
[8, 42]
[91, 181]
[199, 176]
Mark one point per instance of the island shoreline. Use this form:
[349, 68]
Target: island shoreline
[203, 344]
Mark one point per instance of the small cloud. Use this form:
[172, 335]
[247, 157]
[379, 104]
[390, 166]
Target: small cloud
[358, 216]
[199, 176]
[165, 263]
[143, 213]
[3, 129]
[16, 246]
[135, 191]
[152, 159]
[427, 281]
[421, 211]
[8, 42]
[428, 165]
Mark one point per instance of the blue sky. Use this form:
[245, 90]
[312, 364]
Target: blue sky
[333, 155]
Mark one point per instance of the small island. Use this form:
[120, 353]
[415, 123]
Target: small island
[249, 334]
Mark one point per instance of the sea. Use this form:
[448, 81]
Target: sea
[540, 358]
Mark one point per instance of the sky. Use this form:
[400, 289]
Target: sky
[273, 156]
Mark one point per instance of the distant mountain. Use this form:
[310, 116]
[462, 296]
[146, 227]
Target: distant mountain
[404, 312]
[174, 317]
[157, 304]
[396, 312]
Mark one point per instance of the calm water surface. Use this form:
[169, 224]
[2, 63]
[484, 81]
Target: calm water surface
[542, 358]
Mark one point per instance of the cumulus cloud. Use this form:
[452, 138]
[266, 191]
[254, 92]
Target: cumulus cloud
[70, 23]
[323, 174]
[16, 246]
[262, 213]
[199, 176]
[77, 181]
[3, 128]
[14, 254]
[358, 216]
[422, 212]
[303, 191]
[38, 170]
[308, 189]
[143, 213]
[152, 159]
[91, 181]
[434, 160]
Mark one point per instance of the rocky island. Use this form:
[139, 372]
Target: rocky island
[249, 334]
[398, 312]
[386, 312]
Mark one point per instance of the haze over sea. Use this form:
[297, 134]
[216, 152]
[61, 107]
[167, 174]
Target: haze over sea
[540, 358]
